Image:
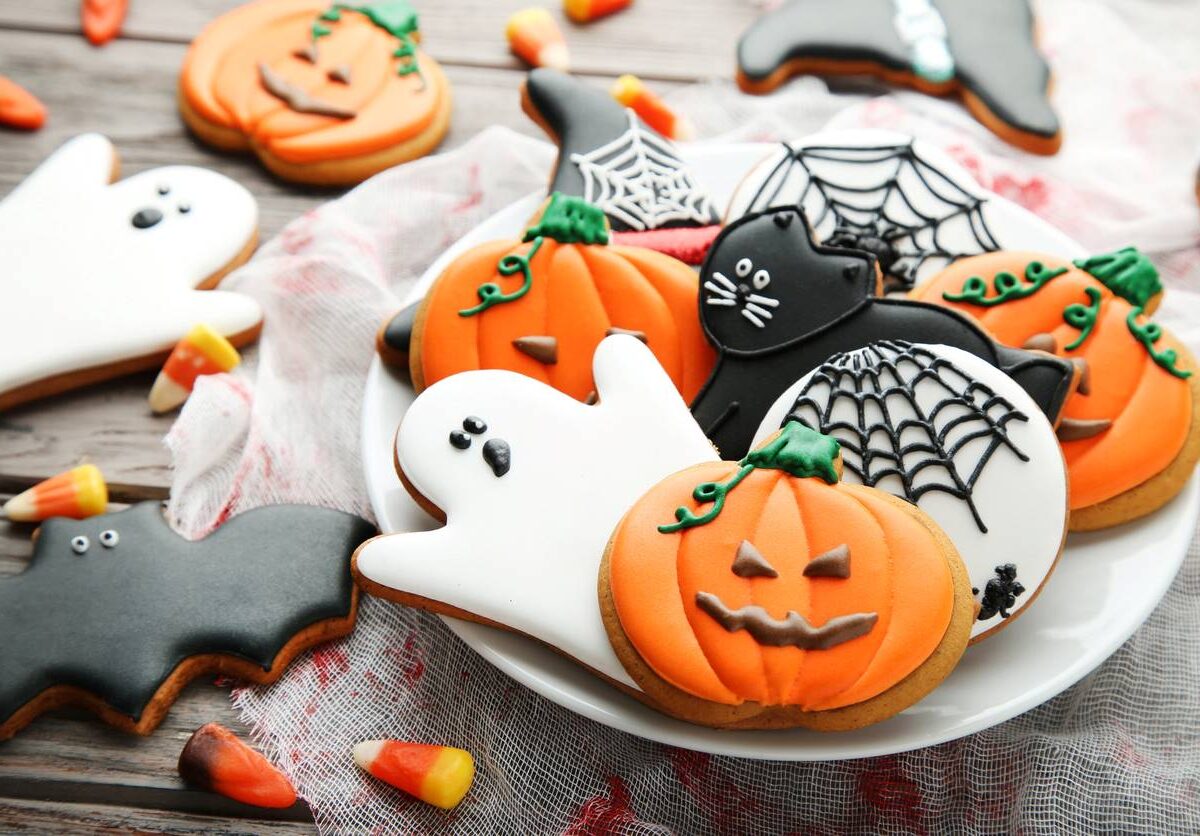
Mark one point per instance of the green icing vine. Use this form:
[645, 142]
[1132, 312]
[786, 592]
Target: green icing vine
[490, 293]
[1083, 317]
[1148, 335]
[1007, 286]
[1127, 273]
[798, 450]
[396, 17]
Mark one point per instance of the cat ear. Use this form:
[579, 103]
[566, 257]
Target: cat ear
[87, 162]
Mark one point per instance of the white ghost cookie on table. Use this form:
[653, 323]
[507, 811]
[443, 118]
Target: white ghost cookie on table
[102, 278]
[532, 483]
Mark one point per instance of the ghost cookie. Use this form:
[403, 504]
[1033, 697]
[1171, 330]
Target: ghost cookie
[610, 157]
[530, 483]
[1131, 432]
[902, 200]
[101, 279]
[325, 93]
[957, 437]
[541, 304]
[776, 305]
[117, 613]
[985, 53]
[764, 593]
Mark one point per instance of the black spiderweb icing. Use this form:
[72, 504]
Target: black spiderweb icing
[908, 214]
[931, 449]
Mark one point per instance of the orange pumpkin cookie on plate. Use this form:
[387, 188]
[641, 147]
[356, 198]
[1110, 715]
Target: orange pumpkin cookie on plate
[540, 306]
[325, 93]
[766, 593]
[1131, 432]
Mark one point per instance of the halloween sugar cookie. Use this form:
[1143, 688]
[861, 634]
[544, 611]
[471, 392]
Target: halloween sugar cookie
[540, 306]
[982, 52]
[530, 483]
[959, 438]
[326, 93]
[776, 305]
[1131, 433]
[101, 279]
[764, 593]
[117, 613]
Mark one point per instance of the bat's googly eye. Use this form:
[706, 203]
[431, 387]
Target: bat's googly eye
[80, 544]
[109, 538]
[474, 425]
[164, 189]
[459, 440]
[761, 279]
[184, 208]
[743, 268]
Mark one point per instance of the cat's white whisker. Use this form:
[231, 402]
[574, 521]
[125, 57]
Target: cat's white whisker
[728, 294]
[719, 276]
[750, 316]
[753, 308]
[717, 300]
[763, 300]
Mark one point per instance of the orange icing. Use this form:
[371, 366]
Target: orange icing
[579, 291]
[220, 82]
[1150, 409]
[897, 570]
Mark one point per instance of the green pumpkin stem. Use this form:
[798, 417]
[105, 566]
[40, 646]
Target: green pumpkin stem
[570, 220]
[1127, 273]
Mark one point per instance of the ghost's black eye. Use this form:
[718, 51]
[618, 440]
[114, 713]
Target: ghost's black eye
[164, 189]
[459, 440]
[109, 538]
[80, 544]
[184, 208]
[474, 425]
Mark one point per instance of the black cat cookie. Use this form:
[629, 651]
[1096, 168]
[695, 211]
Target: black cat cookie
[983, 52]
[775, 305]
[116, 613]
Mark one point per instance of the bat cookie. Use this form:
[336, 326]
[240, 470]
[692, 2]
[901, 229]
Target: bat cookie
[117, 613]
[325, 93]
[904, 201]
[1131, 432]
[776, 305]
[530, 483]
[610, 157]
[764, 593]
[983, 52]
[541, 304]
[103, 278]
[957, 437]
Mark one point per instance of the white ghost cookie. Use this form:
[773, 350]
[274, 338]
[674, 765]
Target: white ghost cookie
[100, 278]
[532, 484]
[950, 432]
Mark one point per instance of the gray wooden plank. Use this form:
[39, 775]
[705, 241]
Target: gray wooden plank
[46, 817]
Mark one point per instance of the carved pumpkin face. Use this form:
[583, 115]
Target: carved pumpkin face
[1132, 413]
[779, 585]
[305, 82]
[556, 295]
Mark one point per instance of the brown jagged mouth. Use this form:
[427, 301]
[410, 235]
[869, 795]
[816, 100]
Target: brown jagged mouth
[791, 631]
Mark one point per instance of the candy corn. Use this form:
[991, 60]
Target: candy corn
[438, 775]
[535, 38]
[215, 760]
[632, 93]
[585, 11]
[19, 108]
[102, 19]
[201, 351]
[78, 493]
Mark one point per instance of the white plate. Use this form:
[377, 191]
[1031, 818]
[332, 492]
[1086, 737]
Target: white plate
[1105, 586]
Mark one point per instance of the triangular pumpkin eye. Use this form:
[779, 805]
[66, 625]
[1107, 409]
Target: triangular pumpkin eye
[834, 563]
[750, 563]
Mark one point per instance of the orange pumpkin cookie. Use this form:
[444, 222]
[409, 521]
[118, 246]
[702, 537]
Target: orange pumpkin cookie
[326, 93]
[541, 305]
[1131, 433]
[765, 593]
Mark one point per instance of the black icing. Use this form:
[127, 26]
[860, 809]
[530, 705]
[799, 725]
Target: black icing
[992, 43]
[459, 440]
[825, 303]
[498, 455]
[116, 622]
[1000, 593]
[473, 424]
[397, 334]
[146, 218]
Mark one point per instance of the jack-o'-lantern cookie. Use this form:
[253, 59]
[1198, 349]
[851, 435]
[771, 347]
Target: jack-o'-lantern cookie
[540, 306]
[1131, 432]
[326, 93]
[765, 593]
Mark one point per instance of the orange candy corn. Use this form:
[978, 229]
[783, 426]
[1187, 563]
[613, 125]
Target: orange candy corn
[201, 351]
[19, 108]
[632, 93]
[535, 38]
[438, 775]
[80, 492]
[585, 11]
[102, 19]
[215, 759]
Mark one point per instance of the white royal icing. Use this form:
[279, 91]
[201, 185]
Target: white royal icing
[1022, 504]
[524, 549]
[919, 24]
[81, 286]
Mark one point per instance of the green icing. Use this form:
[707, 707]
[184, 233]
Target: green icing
[798, 450]
[1127, 273]
[570, 220]
[1083, 317]
[1007, 286]
[490, 293]
[396, 17]
[1148, 335]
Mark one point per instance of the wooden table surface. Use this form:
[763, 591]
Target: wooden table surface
[66, 770]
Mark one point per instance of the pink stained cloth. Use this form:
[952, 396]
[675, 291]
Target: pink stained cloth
[1118, 752]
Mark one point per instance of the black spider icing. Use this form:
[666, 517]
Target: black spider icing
[1000, 593]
